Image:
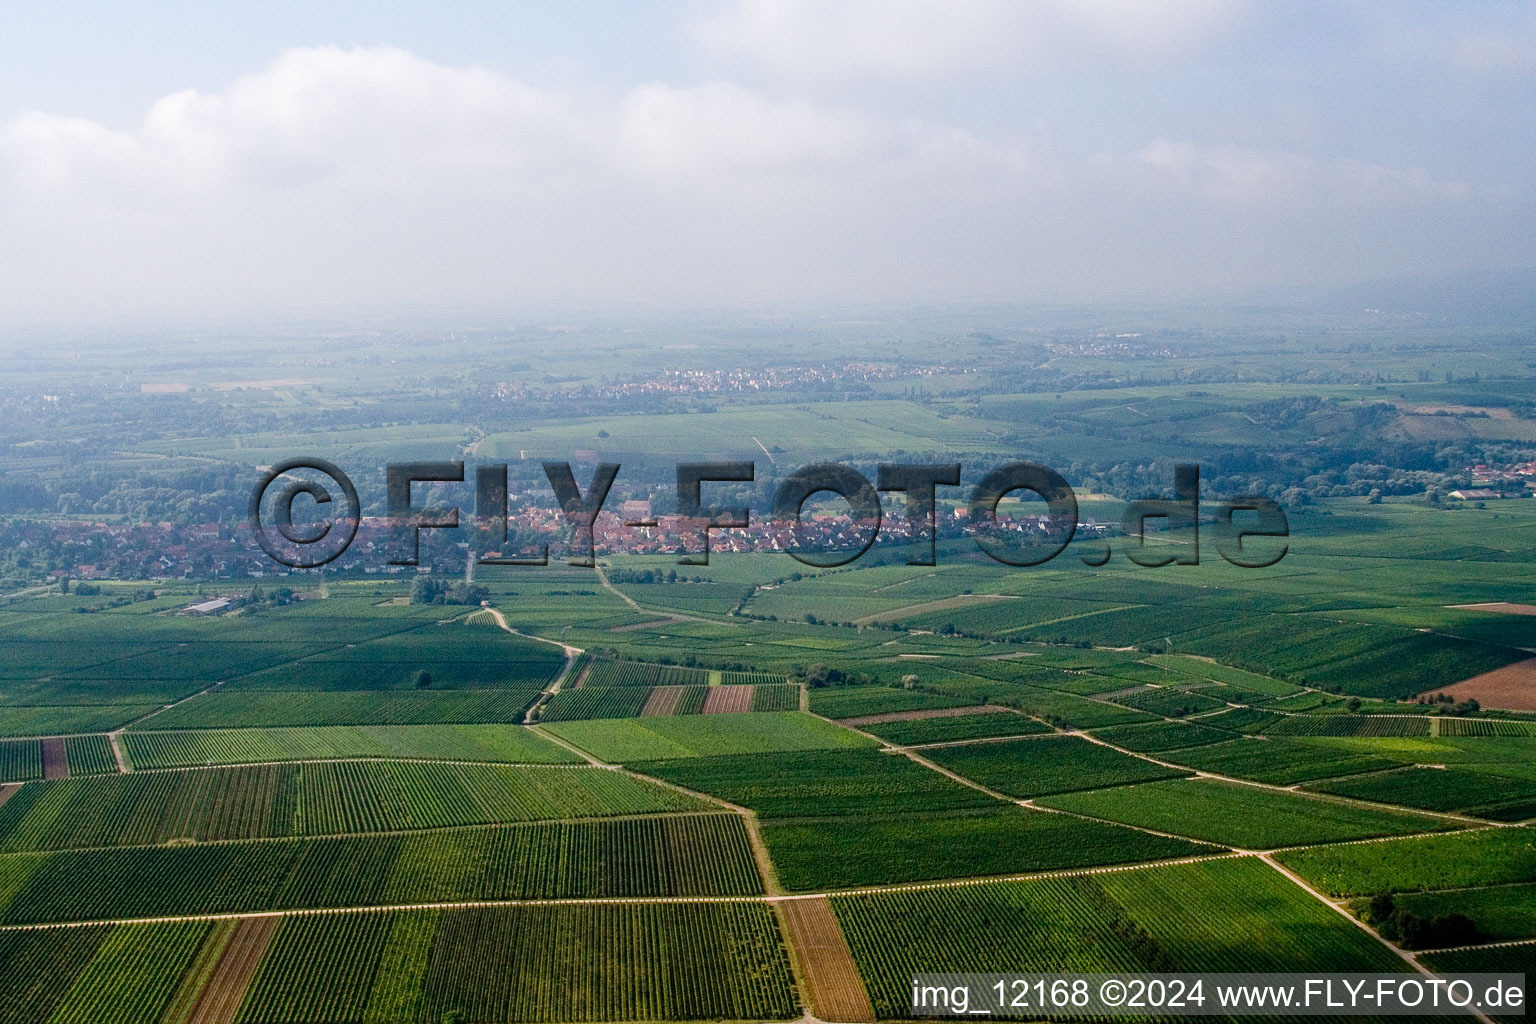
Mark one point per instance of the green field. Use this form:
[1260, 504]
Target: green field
[819, 783]
[1491, 856]
[311, 799]
[509, 743]
[958, 727]
[122, 973]
[1274, 761]
[851, 702]
[549, 963]
[230, 710]
[600, 702]
[1501, 913]
[671, 855]
[1483, 795]
[1222, 915]
[1239, 815]
[644, 739]
[1048, 764]
[1159, 736]
[386, 788]
[830, 853]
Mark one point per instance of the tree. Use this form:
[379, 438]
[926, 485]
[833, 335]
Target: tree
[423, 679]
[1380, 908]
[1354, 704]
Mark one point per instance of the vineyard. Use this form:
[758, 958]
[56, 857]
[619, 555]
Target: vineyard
[758, 679]
[1485, 727]
[643, 739]
[311, 799]
[1159, 736]
[20, 760]
[513, 744]
[1495, 797]
[64, 719]
[1222, 915]
[601, 702]
[1502, 913]
[379, 837]
[771, 697]
[852, 702]
[956, 727]
[829, 853]
[89, 755]
[670, 855]
[591, 701]
[819, 783]
[1276, 761]
[1348, 725]
[573, 963]
[1238, 815]
[230, 710]
[633, 673]
[1048, 764]
[1491, 856]
[534, 667]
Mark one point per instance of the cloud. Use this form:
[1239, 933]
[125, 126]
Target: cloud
[930, 39]
[364, 177]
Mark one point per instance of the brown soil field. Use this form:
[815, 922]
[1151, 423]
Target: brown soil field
[837, 993]
[1496, 412]
[220, 998]
[907, 716]
[1512, 687]
[663, 701]
[6, 792]
[55, 760]
[1503, 607]
[725, 699]
[581, 677]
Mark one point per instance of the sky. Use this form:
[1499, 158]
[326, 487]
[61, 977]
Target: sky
[193, 160]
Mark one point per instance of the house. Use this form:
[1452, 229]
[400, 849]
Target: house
[211, 607]
[1476, 494]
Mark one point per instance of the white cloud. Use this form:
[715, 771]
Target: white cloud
[929, 39]
[723, 128]
[1239, 175]
[372, 176]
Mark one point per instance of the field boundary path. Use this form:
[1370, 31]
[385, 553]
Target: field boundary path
[572, 654]
[1411, 959]
[669, 614]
